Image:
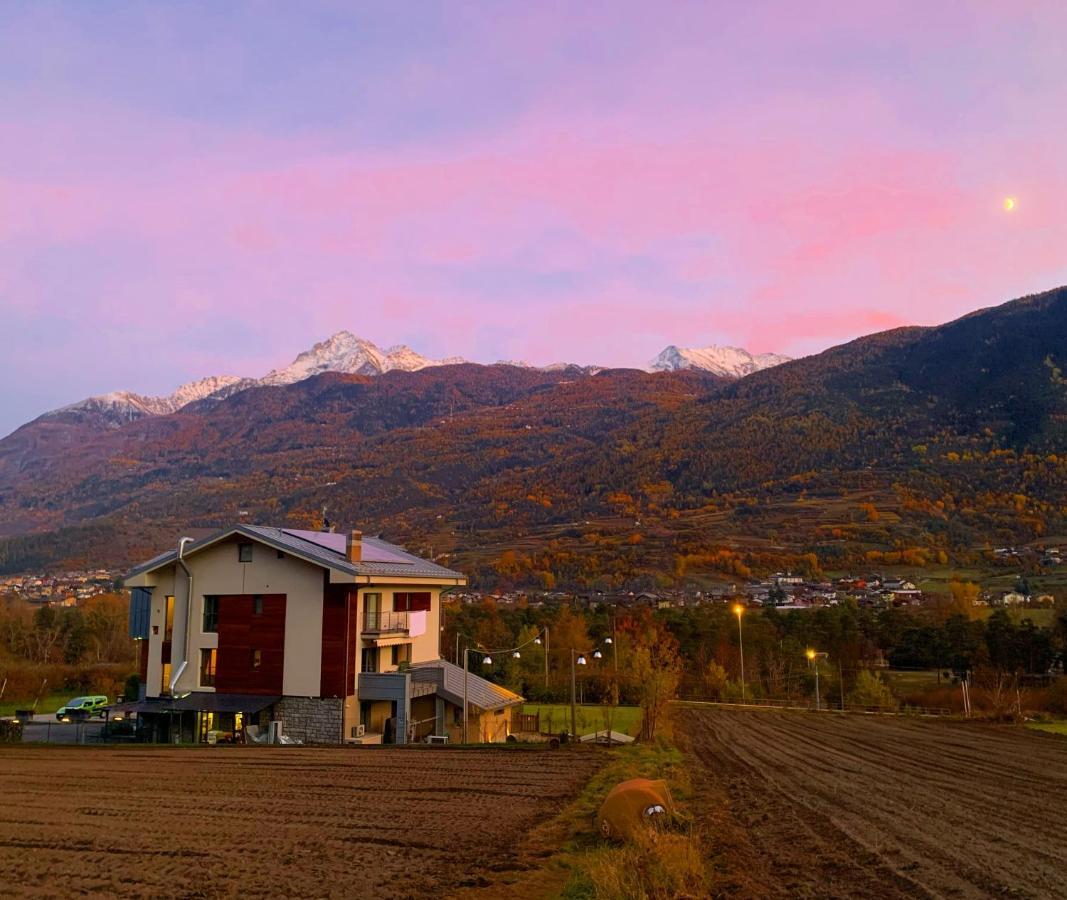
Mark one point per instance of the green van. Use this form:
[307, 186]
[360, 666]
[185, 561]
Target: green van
[82, 708]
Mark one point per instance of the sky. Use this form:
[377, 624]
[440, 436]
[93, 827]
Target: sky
[208, 188]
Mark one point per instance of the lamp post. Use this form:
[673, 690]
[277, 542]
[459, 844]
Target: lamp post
[577, 659]
[813, 659]
[537, 640]
[615, 663]
[739, 611]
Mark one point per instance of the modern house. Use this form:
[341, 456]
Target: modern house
[334, 636]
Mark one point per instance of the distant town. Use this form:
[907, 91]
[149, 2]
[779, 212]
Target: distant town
[783, 590]
[62, 589]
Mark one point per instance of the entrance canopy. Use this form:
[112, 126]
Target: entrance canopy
[199, 702]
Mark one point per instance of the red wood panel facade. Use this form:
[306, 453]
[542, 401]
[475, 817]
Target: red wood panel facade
[251, 657]
[143, 668]
[340, 655]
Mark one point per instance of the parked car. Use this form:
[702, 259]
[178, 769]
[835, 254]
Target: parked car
[82, 708]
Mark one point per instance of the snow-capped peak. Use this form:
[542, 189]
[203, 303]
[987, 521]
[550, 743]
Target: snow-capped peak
[351, 355]
[346, 353]
[120, 407]
[731, 362]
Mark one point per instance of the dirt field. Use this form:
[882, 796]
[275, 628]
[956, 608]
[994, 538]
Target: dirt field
[804, 805]
[270, 821]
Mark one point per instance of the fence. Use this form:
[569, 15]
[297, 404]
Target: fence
[809, 706]
[62, 732]
[526, 722]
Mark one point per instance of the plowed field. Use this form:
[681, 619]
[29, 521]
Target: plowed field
[269, 822]
[804, 805]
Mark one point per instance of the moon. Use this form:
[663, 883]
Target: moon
[1009, 204]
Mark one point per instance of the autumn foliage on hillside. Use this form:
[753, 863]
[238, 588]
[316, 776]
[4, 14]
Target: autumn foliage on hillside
[917, 447]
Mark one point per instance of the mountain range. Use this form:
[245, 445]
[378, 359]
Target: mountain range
[916, 446]
[348, 354]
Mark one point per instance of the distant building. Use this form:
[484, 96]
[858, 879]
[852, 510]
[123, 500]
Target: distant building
[1013, 598]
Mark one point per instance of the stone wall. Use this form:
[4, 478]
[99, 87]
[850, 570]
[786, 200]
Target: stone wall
[310, 719]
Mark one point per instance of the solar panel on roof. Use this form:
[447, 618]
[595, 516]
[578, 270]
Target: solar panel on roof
[375, 552]
[327, 539]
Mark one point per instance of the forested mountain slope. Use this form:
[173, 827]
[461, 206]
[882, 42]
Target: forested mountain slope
[918, 443]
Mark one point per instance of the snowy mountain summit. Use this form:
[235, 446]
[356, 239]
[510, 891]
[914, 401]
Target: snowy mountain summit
[344, 352]
[348, 354]
[730, 362]
[120, 407]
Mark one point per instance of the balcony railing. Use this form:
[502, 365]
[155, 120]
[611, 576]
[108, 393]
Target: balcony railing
[380, 622]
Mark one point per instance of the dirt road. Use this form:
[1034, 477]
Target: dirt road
[808, 805]
[268, 822]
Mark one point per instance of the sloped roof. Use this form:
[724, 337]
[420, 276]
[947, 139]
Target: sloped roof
[449, 680]
[380, 558]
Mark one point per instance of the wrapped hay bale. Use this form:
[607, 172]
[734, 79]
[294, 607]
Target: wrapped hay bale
[632, 805]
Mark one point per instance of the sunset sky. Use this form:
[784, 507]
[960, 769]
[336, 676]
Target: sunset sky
[208, 188]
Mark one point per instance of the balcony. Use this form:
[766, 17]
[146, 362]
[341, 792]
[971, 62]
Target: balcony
[377, 622]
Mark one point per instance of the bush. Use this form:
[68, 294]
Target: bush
[870, 691]
[25, 680]
[1056, 697]
[132, 689]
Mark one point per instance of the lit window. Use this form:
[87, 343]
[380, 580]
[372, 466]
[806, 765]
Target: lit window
[207, 667]
[257, 659]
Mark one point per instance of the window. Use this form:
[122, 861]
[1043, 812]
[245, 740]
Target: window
[401, 653]
[211, 615]
[257, 605]
[372, 611]
[411, 602]
[168, 628]
[256, 660]
[244, 553]
[369, 660]
[207, 667]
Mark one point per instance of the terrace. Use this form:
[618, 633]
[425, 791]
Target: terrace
[379, 622]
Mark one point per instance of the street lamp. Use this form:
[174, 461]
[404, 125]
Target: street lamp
[577, 659]
[739, 611]
[813, 659]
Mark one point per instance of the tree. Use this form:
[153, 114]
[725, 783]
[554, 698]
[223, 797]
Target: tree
[870, 691]
[654, 672]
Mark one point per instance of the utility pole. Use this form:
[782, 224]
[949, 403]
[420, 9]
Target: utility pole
[466, 653]
[546, 657]
[574, 702]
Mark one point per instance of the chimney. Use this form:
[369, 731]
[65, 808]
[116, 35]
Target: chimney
[355, 546]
